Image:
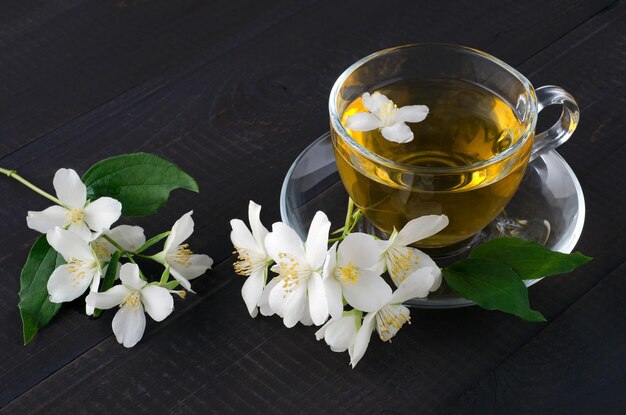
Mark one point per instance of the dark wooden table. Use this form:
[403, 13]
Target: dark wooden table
[232, 91]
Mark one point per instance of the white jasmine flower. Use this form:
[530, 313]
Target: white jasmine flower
[299, 265]
[402, 260]
[392, 315]
[70, 281]
[253, 259]
[78, 215]
[347, 272]
[340, 334]
[184, 265]
[130, 238]
[386, 115]
[133, 295]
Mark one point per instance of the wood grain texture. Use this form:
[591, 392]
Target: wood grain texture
[235, 122]
[62, 58]
[576, 363]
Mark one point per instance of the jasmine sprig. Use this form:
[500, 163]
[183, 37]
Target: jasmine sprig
[80, 252]
[352, 290]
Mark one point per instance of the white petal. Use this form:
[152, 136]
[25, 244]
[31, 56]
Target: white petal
[411, 113]
[421, 228]
[181, 280]
[341, 333]
[95, 285]
[294, 306]
[82, 230]
[398, 133]
[197, 266]
[46, 220]
[317, 240]
[360, 249]
[278, 296]
[330, 263]
[368, 293]
[424, 260]
[362, 339]
[181, 231]
[264, 302]
[129, 324]
[253, 289]
[318, 306]
[129, 274]
[283, 239]
[375, 102]
[102, 213]
[416, 285]
[70, 245]
[332, 288]
[258, 230]
[319, 335]
[64, 286]
[363, 121]
[108, 299]
[128, 237]
[69, 188]
[157, 301]
[306, 319]
[241, 237]
[436, 279]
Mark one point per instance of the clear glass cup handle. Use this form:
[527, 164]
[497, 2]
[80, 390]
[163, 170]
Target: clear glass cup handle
[562, 130]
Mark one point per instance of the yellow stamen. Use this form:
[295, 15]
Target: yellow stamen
[349, 274]
[291, 271]
[101, 249]
[78, 269]
[389, 321]
[75, 216]
[183, 255]
[248, 261]
[401, 261]
[133, 300]
[387, 112]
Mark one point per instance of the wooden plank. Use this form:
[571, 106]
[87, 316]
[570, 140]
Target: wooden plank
[236, 124]
[61, 58]
[576, 364]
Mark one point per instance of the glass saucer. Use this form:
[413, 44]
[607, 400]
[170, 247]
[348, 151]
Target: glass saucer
[548, 207]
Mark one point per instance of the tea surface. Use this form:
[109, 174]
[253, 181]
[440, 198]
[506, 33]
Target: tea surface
[466, 124]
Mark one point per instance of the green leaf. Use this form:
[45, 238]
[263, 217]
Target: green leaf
[141, 182]
[491, 285]
[109, 277]
[152, 241]
[528, 259]
[36, 309]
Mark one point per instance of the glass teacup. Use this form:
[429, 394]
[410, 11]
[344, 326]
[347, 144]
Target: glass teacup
[467, 157]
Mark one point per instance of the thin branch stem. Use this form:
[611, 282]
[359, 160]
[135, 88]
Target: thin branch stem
[115, 244]
[13, 174]
[346, 224]
[352, 218]
[128, 255]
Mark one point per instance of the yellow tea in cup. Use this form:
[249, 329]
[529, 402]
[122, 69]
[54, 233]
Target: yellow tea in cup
[467, 157]
[466, 124]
